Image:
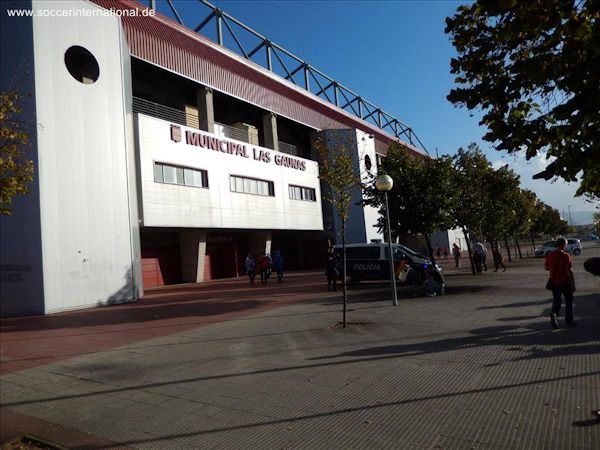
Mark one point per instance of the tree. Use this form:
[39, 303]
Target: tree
[501, 217]
[336, 169]
[549, 222]
[532, 68]
[16, 172]
[472, 171]
[423, 198]
[597, 223]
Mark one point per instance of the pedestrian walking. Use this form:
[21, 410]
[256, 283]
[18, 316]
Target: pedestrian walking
[278, 264]
[331, 270]
[445, 252]
[264, 266]
[456, 255]
[479, 252]
[561, 282]
[250, 266]
[497, 256]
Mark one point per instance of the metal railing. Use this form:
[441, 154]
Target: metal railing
[290, 67]
[233, 133]
[149, 108]
[290, 149]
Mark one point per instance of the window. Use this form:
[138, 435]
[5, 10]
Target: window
[165, 173]
[251, 186]
[302, 193]
[363, 252]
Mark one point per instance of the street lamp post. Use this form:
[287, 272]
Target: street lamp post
[384, 183]
[570, 218]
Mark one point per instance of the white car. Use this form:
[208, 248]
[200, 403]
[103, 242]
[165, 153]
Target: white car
[573, 246]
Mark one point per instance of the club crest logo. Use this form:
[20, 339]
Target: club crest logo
[175, 133]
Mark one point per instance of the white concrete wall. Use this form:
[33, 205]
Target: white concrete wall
[361, 220]
[168, 205]
[82, 142]
[366, 147]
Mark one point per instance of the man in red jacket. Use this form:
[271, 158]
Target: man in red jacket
[561, 278]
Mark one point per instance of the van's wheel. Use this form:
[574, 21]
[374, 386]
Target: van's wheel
[577, 252]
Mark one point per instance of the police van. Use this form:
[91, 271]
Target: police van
[371, 262]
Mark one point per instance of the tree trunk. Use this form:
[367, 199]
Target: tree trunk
[532, 242]
[518, 247]
[507, 249]
[469, 250]
[429, 248]
[345, 292]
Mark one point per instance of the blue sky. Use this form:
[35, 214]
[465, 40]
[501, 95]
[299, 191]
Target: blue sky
[394, 54]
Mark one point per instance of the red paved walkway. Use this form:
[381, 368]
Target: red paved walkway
[33, 341]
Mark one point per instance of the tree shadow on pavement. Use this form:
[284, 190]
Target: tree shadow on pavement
[530, 340]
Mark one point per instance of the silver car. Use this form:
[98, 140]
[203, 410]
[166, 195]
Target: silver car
[573, 246]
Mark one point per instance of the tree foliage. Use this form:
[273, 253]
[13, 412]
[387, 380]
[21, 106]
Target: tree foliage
[422, 199]
[472, 172]
[532, 68]
[550, 222]
[16, 171]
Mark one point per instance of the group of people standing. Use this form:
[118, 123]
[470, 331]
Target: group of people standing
[480, 252]
[265, 264]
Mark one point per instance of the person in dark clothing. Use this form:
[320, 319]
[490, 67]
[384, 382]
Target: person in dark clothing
[456, 255]
[250, 266]
[278, 264]
[561, 282]
[331, 270]
[497, 255]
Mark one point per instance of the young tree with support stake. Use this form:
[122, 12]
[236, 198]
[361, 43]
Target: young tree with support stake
[336, 169]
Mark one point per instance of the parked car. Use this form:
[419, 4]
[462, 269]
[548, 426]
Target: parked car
[593, 237]
[573, 246]
[371, 262]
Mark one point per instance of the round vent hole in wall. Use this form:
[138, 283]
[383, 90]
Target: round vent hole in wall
[82, 65]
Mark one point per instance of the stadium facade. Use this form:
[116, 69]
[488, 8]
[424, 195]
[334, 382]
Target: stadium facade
[161, 157]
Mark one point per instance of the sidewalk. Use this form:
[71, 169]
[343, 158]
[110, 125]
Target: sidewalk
[224, 366]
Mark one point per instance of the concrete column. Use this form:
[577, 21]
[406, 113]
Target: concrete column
[192, 245]
[270, 130]
[206, 110]
[259, 242]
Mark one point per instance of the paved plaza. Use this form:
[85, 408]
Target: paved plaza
[225, 366]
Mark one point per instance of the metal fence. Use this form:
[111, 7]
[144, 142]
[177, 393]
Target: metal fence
[149, 108]
[290, 149]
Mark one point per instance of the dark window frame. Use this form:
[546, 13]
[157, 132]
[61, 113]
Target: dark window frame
[270, 185]
[303, 190]
[203, 175]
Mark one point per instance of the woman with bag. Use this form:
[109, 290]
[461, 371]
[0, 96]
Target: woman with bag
[561, 282]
